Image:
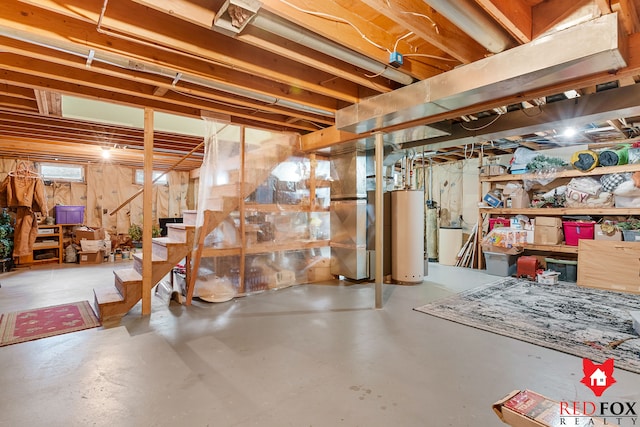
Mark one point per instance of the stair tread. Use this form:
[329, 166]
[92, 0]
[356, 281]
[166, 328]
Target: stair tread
[180, 226]
[166, 241]
[107, 295]
[154, 257]
[128, 275]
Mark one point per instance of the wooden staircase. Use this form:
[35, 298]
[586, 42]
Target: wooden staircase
[113, 302]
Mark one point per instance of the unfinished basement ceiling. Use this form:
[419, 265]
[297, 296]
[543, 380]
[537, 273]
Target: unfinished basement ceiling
[287, 65]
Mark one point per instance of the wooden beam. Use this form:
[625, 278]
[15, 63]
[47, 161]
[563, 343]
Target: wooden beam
[49, 103]
[15, 146]
[547, 14]
[203, 17]
[147, 216]
[133, 85]
[449, 41]
[45, 25]
[324, 138]
[377, 44]
[514, 15]
[629, 14]
[16, 91]
[18, 103]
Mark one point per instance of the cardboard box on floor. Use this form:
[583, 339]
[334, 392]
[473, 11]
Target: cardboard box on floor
[525, 408]
[91, 257]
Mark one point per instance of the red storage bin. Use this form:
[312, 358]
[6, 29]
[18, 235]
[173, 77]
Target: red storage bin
[500, 222]
[574, 231]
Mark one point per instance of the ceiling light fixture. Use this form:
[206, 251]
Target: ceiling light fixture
[569, 132]
[106, 152]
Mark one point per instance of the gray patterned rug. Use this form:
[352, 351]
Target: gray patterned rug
[583, 322]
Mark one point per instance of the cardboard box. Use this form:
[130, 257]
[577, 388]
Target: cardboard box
[548, 231]
[515, 196]
[548, 278]
[319, 274]
[525, 408]
[90, 257]
[90, 234]
[601, 235]
[492, 170]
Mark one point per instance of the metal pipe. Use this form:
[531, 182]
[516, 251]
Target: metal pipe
[296, 34]
[470, 19]
[379, 213]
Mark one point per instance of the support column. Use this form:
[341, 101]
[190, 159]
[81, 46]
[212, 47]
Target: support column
[379, 212]
[147, 213]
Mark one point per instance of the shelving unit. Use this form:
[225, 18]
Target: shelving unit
[561, 177]
[48, 242]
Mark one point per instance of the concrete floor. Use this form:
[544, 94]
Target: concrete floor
[310, 355]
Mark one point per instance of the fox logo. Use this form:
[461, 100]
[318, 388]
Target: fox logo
[598, 377]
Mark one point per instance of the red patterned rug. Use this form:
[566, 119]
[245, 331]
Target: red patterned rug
[29, 325]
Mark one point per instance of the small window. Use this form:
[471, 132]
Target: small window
[62, 172]
[156, 174]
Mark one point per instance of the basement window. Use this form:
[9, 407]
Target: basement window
[139, 179]
[61, 172]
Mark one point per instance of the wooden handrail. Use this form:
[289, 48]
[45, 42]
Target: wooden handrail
[139, 192]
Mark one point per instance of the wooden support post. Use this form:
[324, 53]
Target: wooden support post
[379, 225]
[243, 235]
[147, 213]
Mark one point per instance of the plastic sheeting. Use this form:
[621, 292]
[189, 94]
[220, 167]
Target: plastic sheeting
[278, 222]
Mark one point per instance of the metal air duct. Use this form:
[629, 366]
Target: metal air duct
[583, 50]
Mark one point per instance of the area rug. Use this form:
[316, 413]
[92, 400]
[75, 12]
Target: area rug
[28, 325]
[587, 323]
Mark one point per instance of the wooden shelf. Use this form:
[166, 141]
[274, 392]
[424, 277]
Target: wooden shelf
[57, 246]
[561, 211]
[51, 246]
[552, 248]
[213, 252]
[569, 173]
[287, 246]
[43, 261]
[275, 208]
[258, 248]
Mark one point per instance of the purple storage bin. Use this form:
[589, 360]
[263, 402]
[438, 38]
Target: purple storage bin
[69, 214]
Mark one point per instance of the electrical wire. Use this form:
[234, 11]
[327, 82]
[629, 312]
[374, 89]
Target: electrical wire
[395, 46]
[433, 23]
[336, 19]
[431, 56]
[482, 127]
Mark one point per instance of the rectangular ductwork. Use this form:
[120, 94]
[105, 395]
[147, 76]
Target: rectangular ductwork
[585, 49]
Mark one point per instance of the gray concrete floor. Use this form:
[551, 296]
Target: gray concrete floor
[309, 355]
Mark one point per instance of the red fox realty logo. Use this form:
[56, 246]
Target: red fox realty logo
[598, 377]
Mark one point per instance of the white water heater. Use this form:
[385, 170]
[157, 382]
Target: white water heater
[407, 236]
